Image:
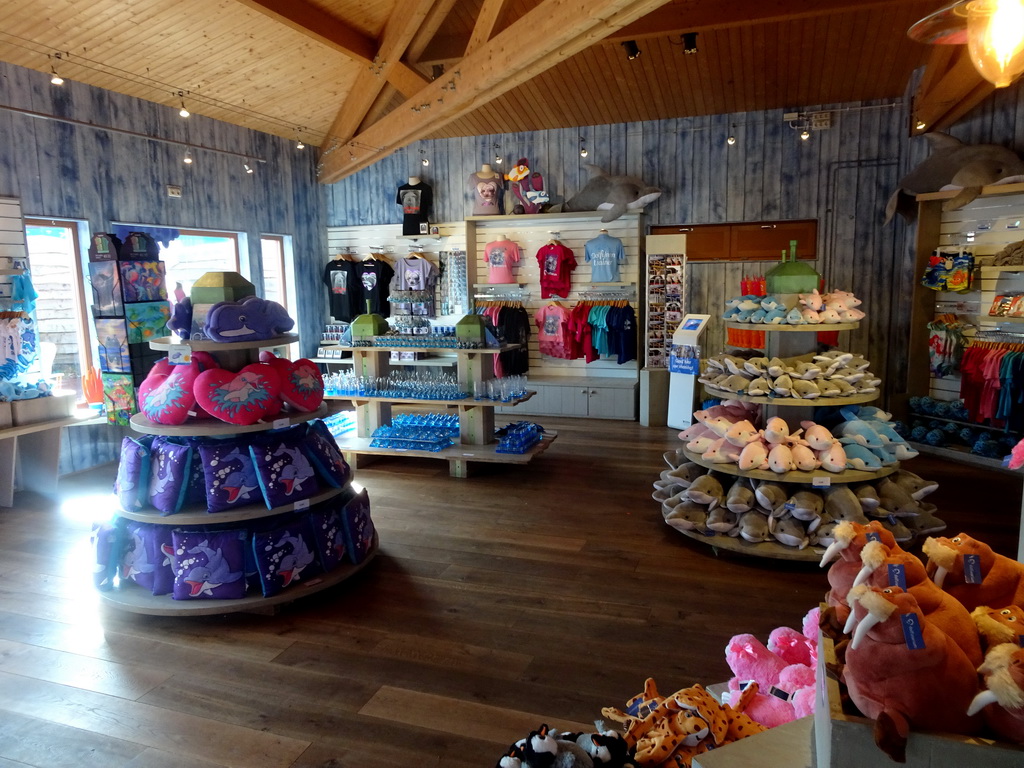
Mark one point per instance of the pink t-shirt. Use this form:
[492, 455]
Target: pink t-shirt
[500, 255]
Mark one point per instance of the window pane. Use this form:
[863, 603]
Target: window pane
[54, 267]
[190, 256]
[273, 270]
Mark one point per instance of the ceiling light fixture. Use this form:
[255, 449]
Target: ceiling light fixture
[632, 49]
[583, 147]
[248, 168]
[921, 125]
[183, 112]
[805, 134]
[731, 141]
[187, 160]
[55, 78]
[992, 29]
[498, 159]
[689, 42]
[424, 161]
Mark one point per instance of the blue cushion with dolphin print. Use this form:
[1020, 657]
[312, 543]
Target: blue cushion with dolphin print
[169, 470]
[283, 471]
[132, 483]
[326, 457]
[208, 565]
[230, 475]
[328, 533]
[147, 557]
[285, 555]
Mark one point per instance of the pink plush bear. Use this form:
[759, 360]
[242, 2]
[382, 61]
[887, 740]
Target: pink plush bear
[749, 659]
[784, 689]
[791, 646]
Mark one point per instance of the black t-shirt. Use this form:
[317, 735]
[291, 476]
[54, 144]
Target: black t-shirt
[375, 281]
[416, 201]
[344, 291]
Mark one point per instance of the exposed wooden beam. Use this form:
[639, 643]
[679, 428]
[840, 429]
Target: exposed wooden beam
[679, 16]
[333, 32]
[485, 23]
[430, 26]
[950, 88]
[513, 56]
[398, 32]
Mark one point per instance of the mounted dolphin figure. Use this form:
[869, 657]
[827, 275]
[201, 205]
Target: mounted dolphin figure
[956, 164]
[613, 194]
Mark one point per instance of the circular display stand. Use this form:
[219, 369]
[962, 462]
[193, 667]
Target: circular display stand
[208, 345]
[770, 549]
[796, 476]
[215, 428]
[201, 516]
[800, 401]
[785, 327]
[135, 599]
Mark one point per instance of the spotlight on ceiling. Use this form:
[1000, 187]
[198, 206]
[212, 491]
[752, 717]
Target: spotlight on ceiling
[805, 134]
[731, 141]
[632, 49]
[183, 111]
[188, 157]
[689, 42]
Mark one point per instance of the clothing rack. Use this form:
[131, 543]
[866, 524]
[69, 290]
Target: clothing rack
[612, 292]
[506, 295]
[1014, 337]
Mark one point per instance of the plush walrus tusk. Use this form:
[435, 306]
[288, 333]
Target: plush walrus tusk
[864, 627]
[851, 622]
[862, 575]
[981, 701]
[940, 576]
[832, 552]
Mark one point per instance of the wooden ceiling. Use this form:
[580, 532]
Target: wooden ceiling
[358, 73]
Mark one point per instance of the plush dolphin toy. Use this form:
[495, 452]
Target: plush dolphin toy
[613, 194]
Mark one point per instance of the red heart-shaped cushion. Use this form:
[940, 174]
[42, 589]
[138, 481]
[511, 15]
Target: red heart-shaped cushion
[238, 398]
[302, 384]
[167, 398]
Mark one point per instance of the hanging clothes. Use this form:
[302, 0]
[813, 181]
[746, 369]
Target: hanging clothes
[344, 291]
[552, 321]
[375, 279]
[556, 263]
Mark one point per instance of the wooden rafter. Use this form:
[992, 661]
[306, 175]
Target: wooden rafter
[679, 16]
[398, 33]
[513, 56]
[950, 88]
[485, 23]
[335, 33]
[429, 28]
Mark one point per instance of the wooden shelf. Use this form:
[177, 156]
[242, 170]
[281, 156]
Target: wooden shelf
[456, 350]
[467, 402]
[770, 549]
[482, 453]
[992, 190]
[998, 319]
[786, 328]
[202, 516]
[135, 599]
[89, 419]
[207, 345]
[215, 428]
[813, 402]
[11, 272]
[796, 476]
[1011, 268]
[964, 456]
[333, 360]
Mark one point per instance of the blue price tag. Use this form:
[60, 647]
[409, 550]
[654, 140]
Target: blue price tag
[897, 576]
[873, 536]
[912, 634]
[972, 569]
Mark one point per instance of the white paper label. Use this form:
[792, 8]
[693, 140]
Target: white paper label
[281, 423]
[302, 504]
[821, 482]
[179, 354]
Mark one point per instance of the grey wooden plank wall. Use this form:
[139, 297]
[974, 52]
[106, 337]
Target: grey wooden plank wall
[75, 172]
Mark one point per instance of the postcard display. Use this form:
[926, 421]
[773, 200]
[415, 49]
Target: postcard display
[130, 308]
[666, 291]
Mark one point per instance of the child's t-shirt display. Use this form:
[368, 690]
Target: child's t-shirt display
[556, 263]
[375, 279]
[552, 330]
[604, 253]
[343, 289]
[416, 201]
[487, 192]
[500, 255]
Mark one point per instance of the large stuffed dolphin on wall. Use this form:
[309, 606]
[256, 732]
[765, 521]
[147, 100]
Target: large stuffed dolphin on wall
[613, 194]
[954, 163]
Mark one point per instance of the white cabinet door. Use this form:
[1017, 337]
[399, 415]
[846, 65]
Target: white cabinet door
[611, 403]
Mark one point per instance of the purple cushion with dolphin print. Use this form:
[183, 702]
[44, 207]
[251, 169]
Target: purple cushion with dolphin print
[328, 533]
[285, 556]
[147, 557]
[195, 490]
[230, 476]
[358, 527]
[208, 566]
[283, 471]
[169, 468]
[132, 483]
[323, 452]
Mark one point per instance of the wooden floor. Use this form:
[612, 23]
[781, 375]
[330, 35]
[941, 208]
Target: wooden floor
[520, 595]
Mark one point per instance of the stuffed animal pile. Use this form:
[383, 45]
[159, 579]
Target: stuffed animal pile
[547, 748]
[176, 394]
[914, 636]
[712, 503]
[781, 673]
[250, 319]
[830, 374]
[813, 309]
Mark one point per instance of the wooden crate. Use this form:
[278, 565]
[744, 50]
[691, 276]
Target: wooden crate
[39, 409]
[847, 741]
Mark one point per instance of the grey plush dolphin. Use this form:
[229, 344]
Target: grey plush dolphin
[955, 163]
[613, 194]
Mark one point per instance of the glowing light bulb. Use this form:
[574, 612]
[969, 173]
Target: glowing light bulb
[731, 140]
[56, 79]
[188, 157]
[995, 39]
[805, 134]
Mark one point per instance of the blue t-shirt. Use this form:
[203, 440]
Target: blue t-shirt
[604, 254]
